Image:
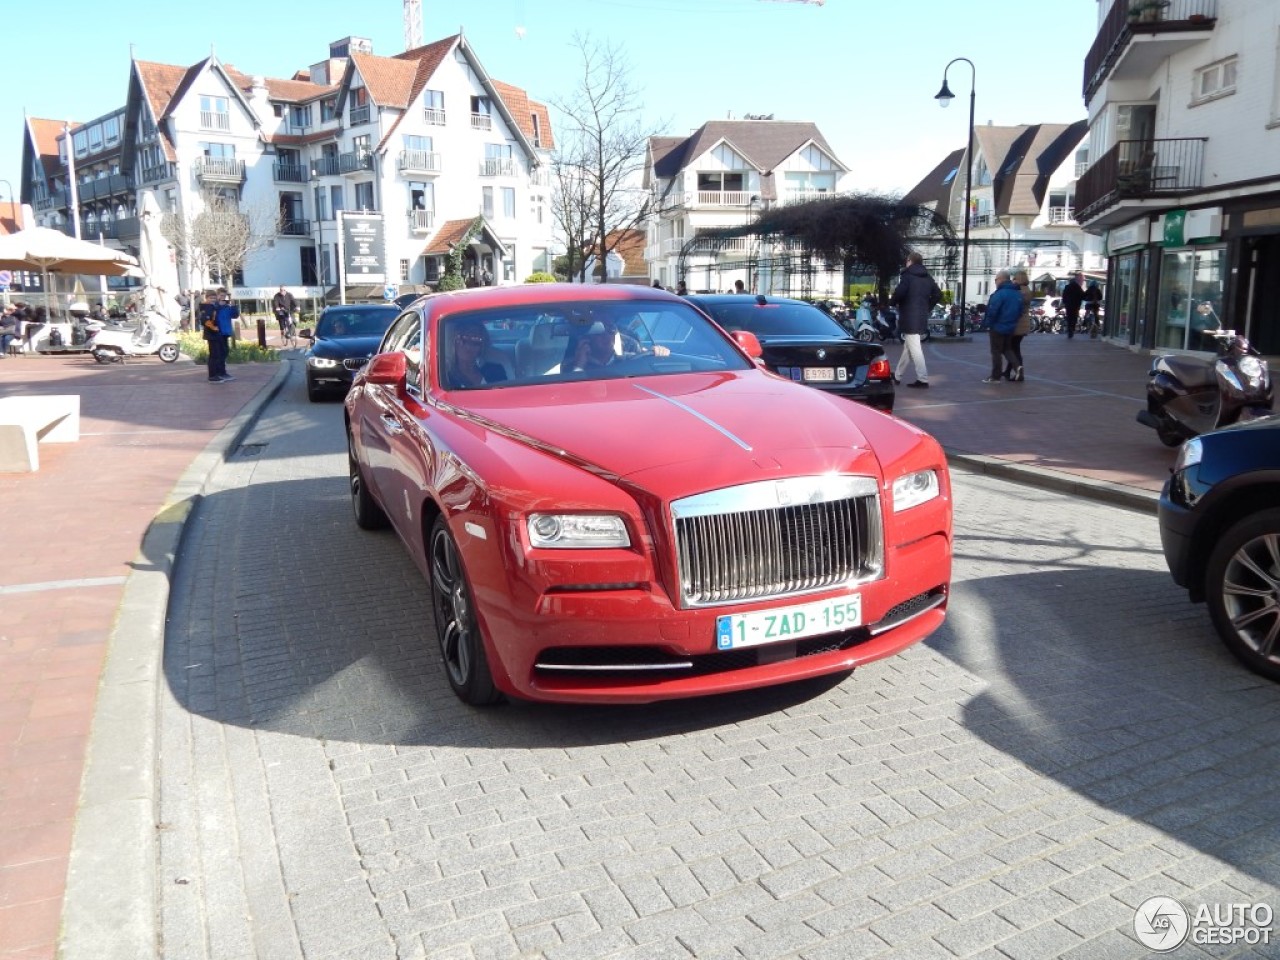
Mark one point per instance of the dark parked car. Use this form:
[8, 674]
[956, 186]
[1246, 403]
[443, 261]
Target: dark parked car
[1220, 529]
[342, 343]
[804, 344]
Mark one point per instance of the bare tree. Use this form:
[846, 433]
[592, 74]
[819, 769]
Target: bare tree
[221, 239]
[572, 203]
[601, 155]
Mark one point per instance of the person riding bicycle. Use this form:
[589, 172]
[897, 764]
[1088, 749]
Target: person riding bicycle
[1092, 301]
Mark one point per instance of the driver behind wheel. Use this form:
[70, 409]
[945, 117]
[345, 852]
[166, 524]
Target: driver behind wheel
[603, 343]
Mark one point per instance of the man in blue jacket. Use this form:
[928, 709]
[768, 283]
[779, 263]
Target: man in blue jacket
[217, 321]
[1003, 310]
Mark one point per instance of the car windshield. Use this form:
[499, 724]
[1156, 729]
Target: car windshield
[789, 318]
[368, 322]
[591, 340]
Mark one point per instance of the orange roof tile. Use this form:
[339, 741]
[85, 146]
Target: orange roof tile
[523, 110]
[450, 232]
[10, 217]
[45, 133]
[389, 81]
[428, 58]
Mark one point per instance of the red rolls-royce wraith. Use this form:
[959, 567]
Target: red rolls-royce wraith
[612, 501]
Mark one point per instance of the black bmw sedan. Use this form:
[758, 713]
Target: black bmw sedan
[1220, 530]
[343, 341]
[803, 344]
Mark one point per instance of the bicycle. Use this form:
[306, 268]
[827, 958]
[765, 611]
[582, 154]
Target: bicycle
[288, 330]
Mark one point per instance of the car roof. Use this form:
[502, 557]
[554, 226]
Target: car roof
[480, 298]
[743, 298]
[359, 307]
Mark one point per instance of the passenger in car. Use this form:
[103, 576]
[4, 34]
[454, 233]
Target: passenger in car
[465, 365]
[603, 343]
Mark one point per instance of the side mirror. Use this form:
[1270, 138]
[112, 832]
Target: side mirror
[306, 333]
[748, 342]
[386, 368]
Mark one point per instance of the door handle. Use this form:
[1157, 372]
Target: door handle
[392, 424]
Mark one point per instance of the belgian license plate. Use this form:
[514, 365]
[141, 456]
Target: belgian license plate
[820, 373]
[788, 623]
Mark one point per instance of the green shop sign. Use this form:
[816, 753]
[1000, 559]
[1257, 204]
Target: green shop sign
[1174, 221]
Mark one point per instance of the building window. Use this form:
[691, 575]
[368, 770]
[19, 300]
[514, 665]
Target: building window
[364, 196]
[215, 113]
[404, 271]
[721, 182]
[328, 109]
[433, 105]
[300, 116]
[218, 151]
[413, 142]
[336, 202]
[1190, 297]
[486, 206]
[80, 140]
[537, 130]
[509, 202]
[111, 131]
[1216, 80]
[422, 196]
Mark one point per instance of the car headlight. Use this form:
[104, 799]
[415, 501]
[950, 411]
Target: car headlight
[914, 489]
[321, 362]
[577, 531]
[1188, 455]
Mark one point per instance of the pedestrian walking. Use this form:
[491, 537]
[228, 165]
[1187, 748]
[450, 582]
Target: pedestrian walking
[1003, 310]
[284, 306]
[217, 323]
[1072, 298]
[915, 297]
[681, 289]
[1023, 283]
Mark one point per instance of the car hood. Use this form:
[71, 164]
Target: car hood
[346, 347]
[720, 422]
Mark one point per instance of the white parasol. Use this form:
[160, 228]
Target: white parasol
[157, 261]
[52, 251]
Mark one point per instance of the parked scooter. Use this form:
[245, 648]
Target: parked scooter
[153, 337]
[870, 325]
[1187, 396]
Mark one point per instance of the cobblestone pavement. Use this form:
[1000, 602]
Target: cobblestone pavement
[1074, 741]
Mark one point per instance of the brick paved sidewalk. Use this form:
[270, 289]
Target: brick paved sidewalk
[71, 535]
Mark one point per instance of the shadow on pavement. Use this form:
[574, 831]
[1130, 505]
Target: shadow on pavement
[1155, 721]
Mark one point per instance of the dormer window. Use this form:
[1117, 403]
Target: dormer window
[215, 113]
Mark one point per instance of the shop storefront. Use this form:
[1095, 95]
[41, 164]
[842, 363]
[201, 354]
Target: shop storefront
[1126, 289]
[1192, 277]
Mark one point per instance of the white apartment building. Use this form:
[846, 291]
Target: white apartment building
[388, 161]
[1021, 206]
[723, 175]
[1184, 186]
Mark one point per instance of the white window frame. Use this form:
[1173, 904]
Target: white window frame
[1215, 80]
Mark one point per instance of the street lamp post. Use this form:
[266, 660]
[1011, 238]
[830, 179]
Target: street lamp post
[944, 98]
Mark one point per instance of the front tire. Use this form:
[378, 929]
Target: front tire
[864, 335]
[1242, 586]
[369, 516]
[465, 664]
[169, 352]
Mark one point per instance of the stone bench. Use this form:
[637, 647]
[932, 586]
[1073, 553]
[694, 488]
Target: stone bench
[27, 421]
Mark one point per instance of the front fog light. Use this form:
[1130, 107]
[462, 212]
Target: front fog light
[914, 489]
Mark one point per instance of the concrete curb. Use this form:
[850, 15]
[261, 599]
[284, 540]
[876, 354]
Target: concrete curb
[1131, 498]
[112, 868]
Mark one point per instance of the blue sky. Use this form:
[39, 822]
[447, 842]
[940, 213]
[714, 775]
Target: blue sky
[865, 71]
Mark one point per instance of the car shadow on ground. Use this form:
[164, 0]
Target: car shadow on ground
[1110, 683]
[344, 649]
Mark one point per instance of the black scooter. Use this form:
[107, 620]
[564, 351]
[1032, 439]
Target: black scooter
[1187, 396]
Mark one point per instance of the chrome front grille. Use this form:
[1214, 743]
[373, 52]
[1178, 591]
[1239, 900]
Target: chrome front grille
[777, 538]
[355, 363]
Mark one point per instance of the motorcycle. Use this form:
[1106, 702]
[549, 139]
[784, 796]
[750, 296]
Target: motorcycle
[869, 325]
[152, 337]
[1187, 396]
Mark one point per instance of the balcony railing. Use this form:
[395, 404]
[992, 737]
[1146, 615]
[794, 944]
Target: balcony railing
[433, 116]
[355, 161]
[219, 169]
[418, 161]
[1136, 169]
[106, 229]
[161, 171]
[721, 198]
[128, 228]
[289, 173]
[214, 120]
[1062, 215]
[481, 121]
[421, 221]
[294, 228]
[1127, 17]
[358, 115]
[496, 167]
[803, 196]
[102, 187]
[326, 166]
